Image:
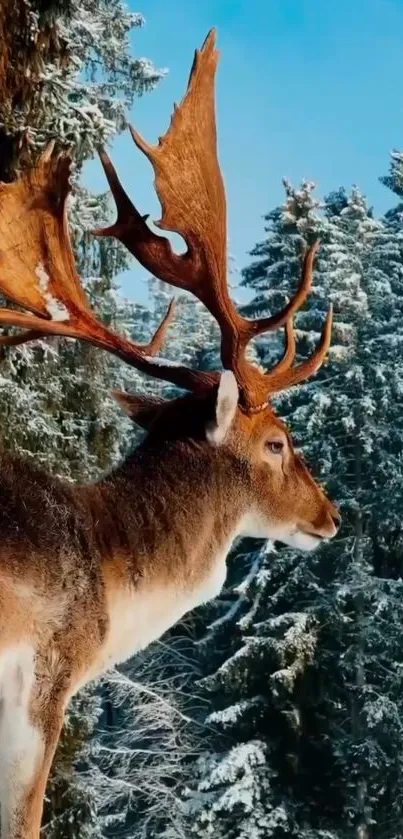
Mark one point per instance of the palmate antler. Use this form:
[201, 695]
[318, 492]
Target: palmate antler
[37, 269]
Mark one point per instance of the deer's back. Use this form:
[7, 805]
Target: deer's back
[40, 513]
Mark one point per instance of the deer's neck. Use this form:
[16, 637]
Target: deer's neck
[168, 511]
[164, 523]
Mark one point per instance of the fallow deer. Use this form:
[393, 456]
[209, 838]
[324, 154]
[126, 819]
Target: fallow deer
[91, 574]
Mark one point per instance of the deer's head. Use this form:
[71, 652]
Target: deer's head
[282, 499]
[230, 410]
[286, 503]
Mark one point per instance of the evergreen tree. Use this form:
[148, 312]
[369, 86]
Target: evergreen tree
[67, 73]
[307, 693]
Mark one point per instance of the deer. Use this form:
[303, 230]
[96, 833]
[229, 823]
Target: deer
[90, 574]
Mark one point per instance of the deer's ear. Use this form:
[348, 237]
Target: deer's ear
[141, 409]
[225, 409]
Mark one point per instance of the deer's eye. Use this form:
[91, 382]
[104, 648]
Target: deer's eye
[275, 446]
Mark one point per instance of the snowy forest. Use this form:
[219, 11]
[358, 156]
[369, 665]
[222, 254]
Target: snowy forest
[275, 712]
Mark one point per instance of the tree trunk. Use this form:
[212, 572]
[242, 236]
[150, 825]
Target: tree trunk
[28, 39]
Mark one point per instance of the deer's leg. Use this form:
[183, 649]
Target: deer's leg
[30, 724]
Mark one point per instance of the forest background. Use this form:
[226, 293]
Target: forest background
[277, 710]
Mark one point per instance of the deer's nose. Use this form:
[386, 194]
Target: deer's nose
[336, 519]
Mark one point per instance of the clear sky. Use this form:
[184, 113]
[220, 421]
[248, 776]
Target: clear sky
[306, 88]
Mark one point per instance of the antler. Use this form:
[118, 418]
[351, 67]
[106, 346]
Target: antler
[191, 191]
[37, 269]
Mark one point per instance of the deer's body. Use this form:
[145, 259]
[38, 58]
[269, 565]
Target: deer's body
[91, 574]
[95, 573]
[88, 576]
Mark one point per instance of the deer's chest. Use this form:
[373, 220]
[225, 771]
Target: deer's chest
[138, 617]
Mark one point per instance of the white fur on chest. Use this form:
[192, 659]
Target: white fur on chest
[138, 617]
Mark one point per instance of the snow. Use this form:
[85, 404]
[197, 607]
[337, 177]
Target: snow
[162, 362]
[55, 308]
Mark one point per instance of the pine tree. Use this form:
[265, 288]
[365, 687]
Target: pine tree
[349, 415]
[307, 694]
[67, 73]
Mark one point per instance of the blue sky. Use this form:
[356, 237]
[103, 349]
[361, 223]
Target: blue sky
[306, 88]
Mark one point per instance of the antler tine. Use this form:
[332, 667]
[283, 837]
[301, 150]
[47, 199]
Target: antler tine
[282, 318]
[283, 377]
[93, 332]
[289, 352]
[21, 338]
[49, 329]
[158, 339]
